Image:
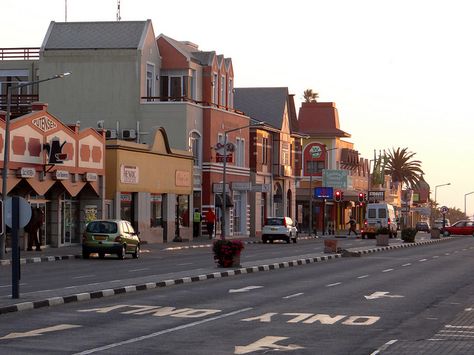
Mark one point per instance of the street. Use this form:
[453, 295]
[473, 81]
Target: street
[386, 302]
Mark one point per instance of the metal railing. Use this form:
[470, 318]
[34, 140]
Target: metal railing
[20, 104]
[29, 53]
[187, 99]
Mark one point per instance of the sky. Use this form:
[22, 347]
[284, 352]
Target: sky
[400, 72]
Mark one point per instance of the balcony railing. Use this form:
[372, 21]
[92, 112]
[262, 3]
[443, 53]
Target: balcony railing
[20, 104]
[19, 53]
[187, 99]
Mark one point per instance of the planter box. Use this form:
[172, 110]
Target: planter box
[330, 246]
[435, 233]
[382, 240]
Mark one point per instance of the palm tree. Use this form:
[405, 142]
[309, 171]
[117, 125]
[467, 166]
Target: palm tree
[402, 168]
[310, 96]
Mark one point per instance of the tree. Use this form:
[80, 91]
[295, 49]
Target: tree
[310, 96]
[402, 168]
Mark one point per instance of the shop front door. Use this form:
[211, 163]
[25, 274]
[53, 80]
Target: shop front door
[69, 233]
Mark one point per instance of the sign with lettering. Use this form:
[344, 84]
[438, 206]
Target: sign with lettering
[376, 195]
[129, 174]
[44, 123]
[323, 192]
[182, 178]
[335, 178]
[61, 175]
[241, 186]
[26, 173]
[90, 177]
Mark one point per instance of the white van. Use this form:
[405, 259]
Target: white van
[379, 215]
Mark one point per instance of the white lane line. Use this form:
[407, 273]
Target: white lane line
[387, 270]
[136, 270]
[184, 264]
[11, 285]
[334, 284]
[459, 326]
[421, 260]
[384, 346]
[435, 256]
[407, 264]
[447, 254]
[295, 295]
[362, 276]
[165, 331]
[83, 276]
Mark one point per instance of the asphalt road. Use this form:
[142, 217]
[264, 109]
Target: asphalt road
[345, 306]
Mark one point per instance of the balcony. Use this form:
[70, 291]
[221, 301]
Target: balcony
[162, 99]
[20, 104]
[19, 53]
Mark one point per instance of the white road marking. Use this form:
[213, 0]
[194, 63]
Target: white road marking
[387, 270]
[435, 256]
[384, 346]
[294, 295]
[469, 309]
[447, 254]
[11, 285]
[136, 270]
[83, 276]
[165, 331]
[266, 343]
[459, 326]
[380, 294]
[38, 332]
[184, 264]
[334, 284]
[244, 289]
[421, 260]
[362, 276]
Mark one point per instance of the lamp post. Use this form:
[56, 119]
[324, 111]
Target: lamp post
[436, 189]
[326, 163]
[469, 193]
[224, 172]
[6, 156]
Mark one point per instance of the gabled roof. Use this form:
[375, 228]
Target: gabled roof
[320, 119]
[95, 35]
[204, 58]
[262, 104]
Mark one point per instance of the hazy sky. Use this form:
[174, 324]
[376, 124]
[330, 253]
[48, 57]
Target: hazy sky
[401, 72]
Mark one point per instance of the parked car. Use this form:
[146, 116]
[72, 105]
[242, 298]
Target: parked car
[438, 223]
[465, 227]
[110, 237]
[279, 228]
[379, 215]
[422, 227]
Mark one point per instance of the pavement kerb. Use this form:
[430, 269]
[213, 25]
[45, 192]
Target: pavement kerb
[48, 302]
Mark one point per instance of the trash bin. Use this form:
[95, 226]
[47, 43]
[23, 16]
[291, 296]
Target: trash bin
[435, 233]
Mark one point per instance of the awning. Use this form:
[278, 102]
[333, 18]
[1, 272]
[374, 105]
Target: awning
[228, 200]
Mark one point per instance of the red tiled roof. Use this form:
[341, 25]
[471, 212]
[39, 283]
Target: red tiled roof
[320, 118]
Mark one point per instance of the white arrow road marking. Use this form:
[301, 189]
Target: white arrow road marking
[294, 295]
[266, 343]
[244, 289]
[379, 294]
[38, 332]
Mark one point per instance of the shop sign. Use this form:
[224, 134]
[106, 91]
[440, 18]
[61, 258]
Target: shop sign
[376, 195]
[44, 123]
[217, 188]
[26, 173]
[129, 174]
[125, 197]
[155, 198]
[220, 158]
[261, 188]
[241, 186]
[90, 177]
[182, 178]
[335, 178]
[61, 175]
[323, 192]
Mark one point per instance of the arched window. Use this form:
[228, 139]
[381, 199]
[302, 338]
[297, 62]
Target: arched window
[195, 146]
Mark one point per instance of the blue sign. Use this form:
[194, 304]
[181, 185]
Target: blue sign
[323, 192]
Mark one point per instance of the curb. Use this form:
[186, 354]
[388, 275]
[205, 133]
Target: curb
[399, 246]
[41, 259]
[151, 285]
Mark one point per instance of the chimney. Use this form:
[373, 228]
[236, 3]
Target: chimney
[39, 106]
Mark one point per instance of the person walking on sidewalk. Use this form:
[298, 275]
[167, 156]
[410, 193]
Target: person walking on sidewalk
[352, 225]
[210, 221]
[196, 223]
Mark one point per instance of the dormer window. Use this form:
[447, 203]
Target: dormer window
[222, 87]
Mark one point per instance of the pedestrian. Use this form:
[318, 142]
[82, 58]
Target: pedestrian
[196, 222]
[352, 225]
[210, 221]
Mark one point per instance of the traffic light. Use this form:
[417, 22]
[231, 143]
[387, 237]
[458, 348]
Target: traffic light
[361, 197]
[342, 195]
[337, 196]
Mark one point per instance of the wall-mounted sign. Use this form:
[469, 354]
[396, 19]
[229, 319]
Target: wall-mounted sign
[61, 175]
[90, 177]
[44, 123]
[228, 158]
[125, 197]
[261, 188]
[129, 174]
[26, 173]
[217, 188]
[323, 192]
[335, 178]
[376, 196]
[182, 178]
[229, 147]
[241, 186]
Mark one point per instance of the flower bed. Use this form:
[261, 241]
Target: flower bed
[227, 252]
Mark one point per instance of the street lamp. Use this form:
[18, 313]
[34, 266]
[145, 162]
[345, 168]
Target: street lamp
[6, 155]
[436, 188]
[469, 193]
[259, 123]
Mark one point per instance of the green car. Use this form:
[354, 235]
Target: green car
[110, 237]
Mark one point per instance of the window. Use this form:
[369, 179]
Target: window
[237, 213]
[230, 94]
[183, 210]
[215, 92]
[195, 145]
[164, 81]
[314, 167]
[222, 101]
[220, 138]
[193, 85]
[240, 152]
[176, 87]
[150, 87]
[382, 213]
[265, 151]
[285, 156]
[156, 215]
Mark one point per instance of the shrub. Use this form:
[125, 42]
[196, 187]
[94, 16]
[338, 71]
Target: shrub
[226, 250]
[408, 235]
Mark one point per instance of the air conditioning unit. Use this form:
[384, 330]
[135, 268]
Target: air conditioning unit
[129, 134]
[111, 134]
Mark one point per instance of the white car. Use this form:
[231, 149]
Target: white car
[279, 228]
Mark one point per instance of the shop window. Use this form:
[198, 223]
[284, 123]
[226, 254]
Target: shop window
[237, 213]
[156, 215]
[183, 210]
[126, 206]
